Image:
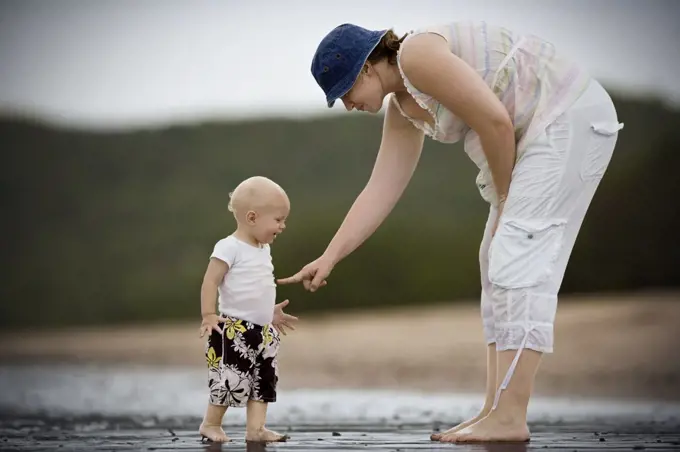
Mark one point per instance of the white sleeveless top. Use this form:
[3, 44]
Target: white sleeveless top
[534, 83]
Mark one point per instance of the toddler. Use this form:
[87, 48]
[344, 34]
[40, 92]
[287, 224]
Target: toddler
[243, 338]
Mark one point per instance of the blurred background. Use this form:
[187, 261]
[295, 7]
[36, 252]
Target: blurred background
[124, 125]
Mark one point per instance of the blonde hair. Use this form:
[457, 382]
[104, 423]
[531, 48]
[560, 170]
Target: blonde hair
[249, 188]
[230, 205]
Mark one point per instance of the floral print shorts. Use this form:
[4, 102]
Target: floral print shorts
[242, 363]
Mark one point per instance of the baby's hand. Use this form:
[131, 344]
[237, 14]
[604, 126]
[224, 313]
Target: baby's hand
[210, 323]
[282, 320]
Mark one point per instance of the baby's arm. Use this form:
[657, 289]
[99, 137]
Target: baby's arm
[211, 280]
[222, 259]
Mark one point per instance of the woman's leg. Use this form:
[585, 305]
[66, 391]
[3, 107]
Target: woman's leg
[489, 333]
[553, 185]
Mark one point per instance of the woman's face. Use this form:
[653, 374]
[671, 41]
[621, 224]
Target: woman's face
[366, 93]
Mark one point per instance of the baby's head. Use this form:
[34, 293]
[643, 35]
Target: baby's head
[260, 207]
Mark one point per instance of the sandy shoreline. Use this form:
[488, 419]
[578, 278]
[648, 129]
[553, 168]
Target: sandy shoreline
[45, 435]
[617, 346]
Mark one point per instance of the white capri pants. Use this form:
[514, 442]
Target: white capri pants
[553, 183]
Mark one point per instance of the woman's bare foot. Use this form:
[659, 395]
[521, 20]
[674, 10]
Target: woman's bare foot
[490, 394]
[214, 433]
[461, 426]
[263, 435]
[493, 428]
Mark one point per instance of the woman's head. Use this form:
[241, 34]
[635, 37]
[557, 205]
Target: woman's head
[352, 64]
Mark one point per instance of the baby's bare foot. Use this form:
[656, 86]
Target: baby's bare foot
[265, 436]
[213, 433]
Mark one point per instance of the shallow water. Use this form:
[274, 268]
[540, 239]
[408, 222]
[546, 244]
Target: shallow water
[166, 392]
[127, 408]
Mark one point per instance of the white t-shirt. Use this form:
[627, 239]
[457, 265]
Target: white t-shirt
[248, 290]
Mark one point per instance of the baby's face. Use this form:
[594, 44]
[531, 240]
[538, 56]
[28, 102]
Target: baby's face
[271, 220]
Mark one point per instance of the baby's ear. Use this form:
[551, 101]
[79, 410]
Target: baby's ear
[251, 216]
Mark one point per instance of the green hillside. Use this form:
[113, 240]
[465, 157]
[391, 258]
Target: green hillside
[118, 227]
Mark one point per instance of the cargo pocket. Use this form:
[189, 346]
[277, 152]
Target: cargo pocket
[523, 252]
[600, 149]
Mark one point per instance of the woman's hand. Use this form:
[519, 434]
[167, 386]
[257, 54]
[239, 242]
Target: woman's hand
[499, 212]
[313, 275]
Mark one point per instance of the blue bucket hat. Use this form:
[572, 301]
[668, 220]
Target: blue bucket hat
[340, 56]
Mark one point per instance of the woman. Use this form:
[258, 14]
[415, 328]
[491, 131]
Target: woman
[542, 133]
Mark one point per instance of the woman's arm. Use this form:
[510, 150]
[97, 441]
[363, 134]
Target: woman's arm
[433, 69]
[397, 159]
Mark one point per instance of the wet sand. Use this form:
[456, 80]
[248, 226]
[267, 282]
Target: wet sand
[615, 346]
[38, 434]
[368, 381]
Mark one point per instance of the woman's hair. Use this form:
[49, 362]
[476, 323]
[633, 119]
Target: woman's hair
[387, 48]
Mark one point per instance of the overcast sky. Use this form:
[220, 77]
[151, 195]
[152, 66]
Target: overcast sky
[136, 62]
